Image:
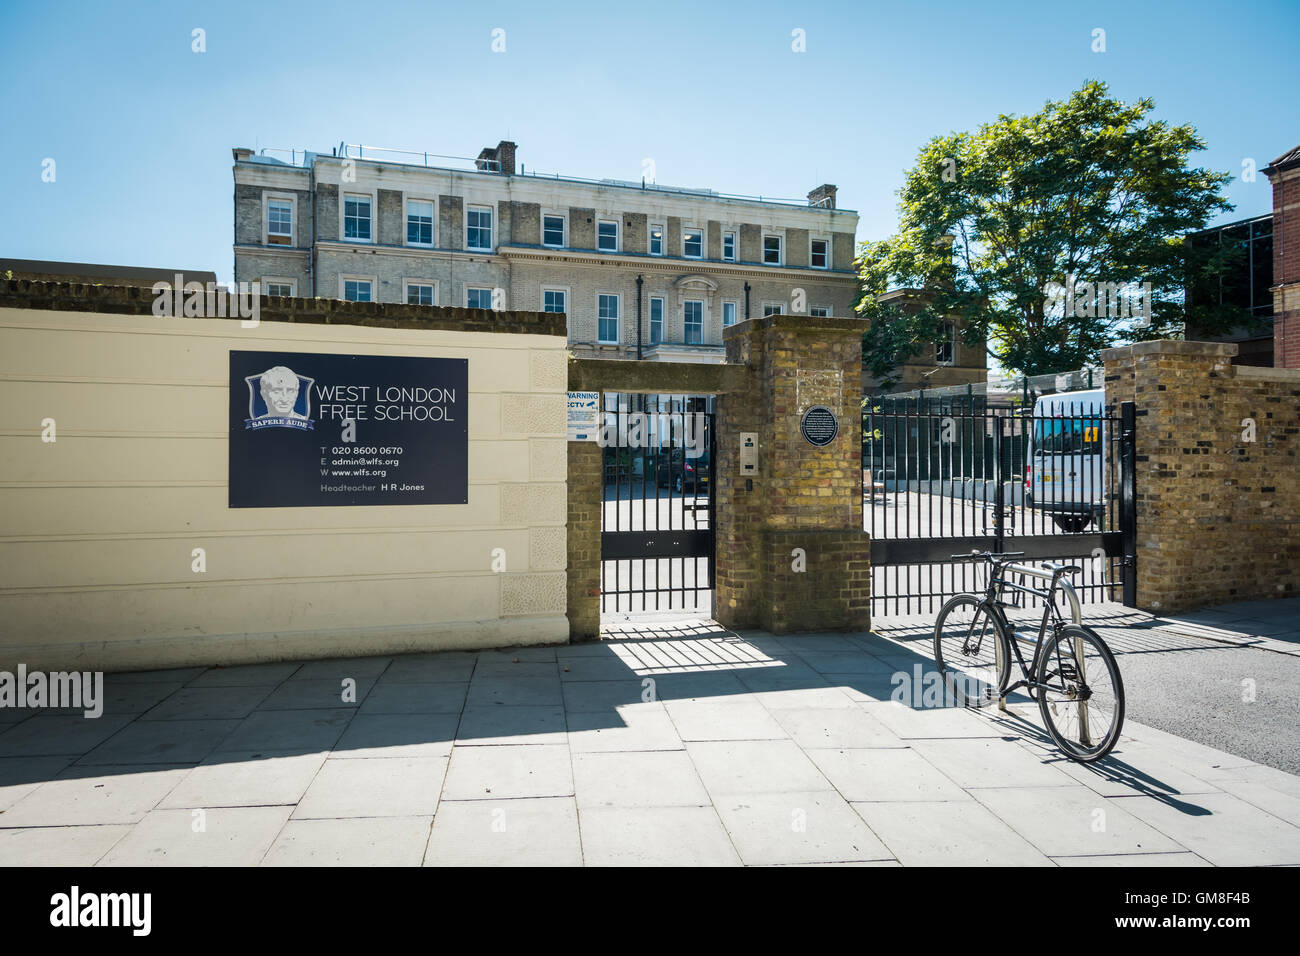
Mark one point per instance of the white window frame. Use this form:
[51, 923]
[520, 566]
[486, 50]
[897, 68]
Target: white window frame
[343, 215]
[618, 319]
[280, 280]
[267, 199]
[777, 308]
[825, 239]
[735, 312]
[491, 228]
[703, 240]
[663, 238]
[345, 279]
[820, 311]
[663, 319]
[406, 220]
[408, 282]
[734, 246]
[608, 222]
[469, 288]
[564, 229]
[562, 289]
[704, 319]
[780, 249]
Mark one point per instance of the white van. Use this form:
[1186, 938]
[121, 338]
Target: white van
[1065, 468]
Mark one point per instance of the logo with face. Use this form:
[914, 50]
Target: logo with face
[279, 398]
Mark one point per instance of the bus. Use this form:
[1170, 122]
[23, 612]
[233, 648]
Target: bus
[1065, 468]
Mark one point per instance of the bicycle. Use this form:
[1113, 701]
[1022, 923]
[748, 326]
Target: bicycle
[1073, 674]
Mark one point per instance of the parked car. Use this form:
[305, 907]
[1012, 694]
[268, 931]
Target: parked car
[1065, 472]
[683, 473]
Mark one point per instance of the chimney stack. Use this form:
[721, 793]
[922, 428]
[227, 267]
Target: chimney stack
[240, 153]
[498, 159]
[823, 195]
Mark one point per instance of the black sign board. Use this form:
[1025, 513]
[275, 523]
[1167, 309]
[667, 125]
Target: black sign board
[310, 429]
[819, 426]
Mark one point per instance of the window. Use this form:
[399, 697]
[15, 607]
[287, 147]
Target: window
[820, 311]
[478, 228]
[356, 218]
[656, 321]
[607, 236]
[693, 316]
[772, 250]
[656, 240]
[729, 246]
[820, 254]
[554, 300]
[728, 314]
[478, 298]
[773, 308]
[607, 318]
[279, 222]
[419, 293]
[419, 223]
[945, 350]
[357, 290]
[553, 231]
[277, 288]
[693, 244]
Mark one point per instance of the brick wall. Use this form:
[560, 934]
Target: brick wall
[585, 498]
[1218, 515]
[1286, 267]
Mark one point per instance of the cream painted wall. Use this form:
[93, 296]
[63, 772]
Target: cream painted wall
[97, 528]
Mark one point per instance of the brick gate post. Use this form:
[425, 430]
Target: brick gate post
[791, 551]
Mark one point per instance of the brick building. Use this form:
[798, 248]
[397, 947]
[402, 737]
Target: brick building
[674, 265]
[1284, 174]
[1249, 287]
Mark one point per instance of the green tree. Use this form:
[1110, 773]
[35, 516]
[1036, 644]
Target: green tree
[996, 224]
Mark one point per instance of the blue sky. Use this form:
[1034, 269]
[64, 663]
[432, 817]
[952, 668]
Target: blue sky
[141, 128]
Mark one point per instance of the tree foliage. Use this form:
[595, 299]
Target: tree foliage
[992, 223]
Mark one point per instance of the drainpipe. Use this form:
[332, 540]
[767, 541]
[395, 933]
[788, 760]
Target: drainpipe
[746, 300]
[311, 259]
[639, 280]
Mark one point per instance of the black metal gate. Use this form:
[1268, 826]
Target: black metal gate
[657, 518]
[951, 476]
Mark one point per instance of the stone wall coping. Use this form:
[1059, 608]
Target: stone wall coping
[1267, 374]
[662, 378]
[139, 300]
[1169, 347]
[795, 323]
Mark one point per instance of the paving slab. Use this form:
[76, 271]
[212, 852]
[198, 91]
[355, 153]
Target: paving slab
[514, 691]
[246, 675]
[741, 767]
[523, 832]
[494, 725]
[415, 698]
[655, 836]
[632, 727]
[300, 693]
[208, 703]
[839, 727]
[161, 741]
[654, 779]
[603, 696]
[1074, 821]
[991, 763]
[337, 668]
[494, 773]
[282, 731]
[55, 735]
[81, 796]
[1221, 828]
[235, 836]
[935, 722]
[736, 718]
[885, 774]
[365, 841]
[1132, 859]
[19, 776]
[379, 787]
[948, 833]
[236, 779]
[69, 846]
[770, 829]
[397, 735]
[430, 668]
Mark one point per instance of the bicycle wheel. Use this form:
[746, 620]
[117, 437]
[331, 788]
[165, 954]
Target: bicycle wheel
[970, 652]
[1080, 693]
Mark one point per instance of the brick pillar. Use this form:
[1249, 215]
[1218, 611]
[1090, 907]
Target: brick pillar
[1217, 447]
[791, 552]
[1284, 174]
[585, 501]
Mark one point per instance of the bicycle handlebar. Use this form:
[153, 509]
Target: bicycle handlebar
[989, 556]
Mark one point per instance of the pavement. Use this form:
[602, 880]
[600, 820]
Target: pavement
[670, 743]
